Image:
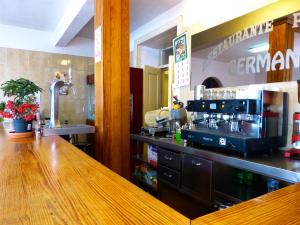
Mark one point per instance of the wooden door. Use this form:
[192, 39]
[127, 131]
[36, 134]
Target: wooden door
[136, 100]
[152, 89]
[165, 88]
[171, 80]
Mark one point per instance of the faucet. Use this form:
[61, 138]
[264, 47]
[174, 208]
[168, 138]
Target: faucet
[54, 92]
[54, 97]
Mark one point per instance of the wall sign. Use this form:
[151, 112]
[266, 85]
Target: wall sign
[258, 53]
[98, 45]
[254, 64]
[181, 67]
[240, 36]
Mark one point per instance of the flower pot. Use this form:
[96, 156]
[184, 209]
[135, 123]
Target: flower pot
[22, 126]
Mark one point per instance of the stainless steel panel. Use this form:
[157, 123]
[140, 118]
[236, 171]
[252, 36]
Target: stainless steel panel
[273, 165]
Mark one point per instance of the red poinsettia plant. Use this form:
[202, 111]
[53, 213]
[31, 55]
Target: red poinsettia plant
[21, 103]
[16, 110]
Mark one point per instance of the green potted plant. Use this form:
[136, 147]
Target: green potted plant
[21, 105]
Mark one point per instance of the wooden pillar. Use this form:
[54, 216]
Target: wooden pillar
[281, 39]
[112, 86]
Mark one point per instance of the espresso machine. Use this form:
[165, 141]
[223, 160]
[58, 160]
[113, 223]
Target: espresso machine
[240, 125]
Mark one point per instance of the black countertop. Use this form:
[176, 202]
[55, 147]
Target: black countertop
[273, 165]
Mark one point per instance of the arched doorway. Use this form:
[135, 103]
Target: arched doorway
[212, 82]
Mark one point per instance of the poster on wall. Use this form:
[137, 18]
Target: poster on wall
[181, 64]
[98, 45]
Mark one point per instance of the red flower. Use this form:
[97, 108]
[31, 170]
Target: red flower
[16, 110]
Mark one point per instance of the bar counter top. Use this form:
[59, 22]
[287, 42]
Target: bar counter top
[48, 181]
[278, 207]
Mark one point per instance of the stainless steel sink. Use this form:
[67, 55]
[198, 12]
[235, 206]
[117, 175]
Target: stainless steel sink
[68, 129]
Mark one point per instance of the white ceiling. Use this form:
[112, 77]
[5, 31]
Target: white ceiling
[45, 14]
[88, 30]
[34, 14]
[143, 11]
[68, 19]
[163, 40]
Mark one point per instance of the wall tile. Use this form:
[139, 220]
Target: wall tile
[40, 68]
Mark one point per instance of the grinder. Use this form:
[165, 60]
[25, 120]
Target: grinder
[295, 137]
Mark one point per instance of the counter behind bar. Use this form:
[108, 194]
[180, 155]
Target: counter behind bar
[272, 165]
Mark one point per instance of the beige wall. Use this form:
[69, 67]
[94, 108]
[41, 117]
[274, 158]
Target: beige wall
[40, 67]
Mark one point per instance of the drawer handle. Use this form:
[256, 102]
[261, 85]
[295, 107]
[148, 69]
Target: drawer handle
[195, 163]
[168, 175]
[170, 158]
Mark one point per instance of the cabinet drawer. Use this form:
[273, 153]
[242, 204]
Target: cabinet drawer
[170, 159]
[168, 175]
[197, 176]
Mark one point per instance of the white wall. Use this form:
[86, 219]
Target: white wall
[202, 69]
[150, 57]
[214, 12]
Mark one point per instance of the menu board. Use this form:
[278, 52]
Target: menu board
[181, 67]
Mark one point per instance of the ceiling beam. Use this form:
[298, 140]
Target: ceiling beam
[75, 18]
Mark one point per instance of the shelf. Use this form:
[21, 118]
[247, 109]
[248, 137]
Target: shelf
[228, 197]
[145, 186]
[143, 160]
[237, 193]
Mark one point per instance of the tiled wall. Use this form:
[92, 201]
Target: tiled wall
[40, 67]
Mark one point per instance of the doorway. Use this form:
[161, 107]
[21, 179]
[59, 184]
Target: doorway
[153, 57]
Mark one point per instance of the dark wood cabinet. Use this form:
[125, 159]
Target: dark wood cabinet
[169, 176]
[197, 177]
[90, 79]
[189, 174]
[136, 100]
[136, 114]
[185, 182]
[169, 158]
[194, 185]
[182, 203]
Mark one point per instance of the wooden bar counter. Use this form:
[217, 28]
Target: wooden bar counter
[48, 181]
[279, 207]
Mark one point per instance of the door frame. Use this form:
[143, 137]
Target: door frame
[138, 43]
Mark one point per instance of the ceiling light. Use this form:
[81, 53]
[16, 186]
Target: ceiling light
[65, 62]
[259, 48]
